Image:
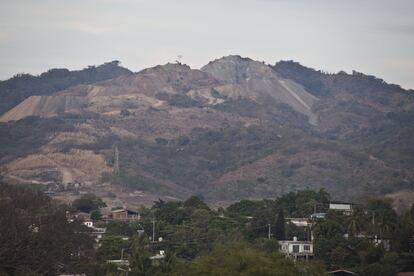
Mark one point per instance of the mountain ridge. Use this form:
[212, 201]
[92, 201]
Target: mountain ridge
[21, 86]
[236, 128]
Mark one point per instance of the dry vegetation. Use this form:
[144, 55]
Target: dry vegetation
[237, 128]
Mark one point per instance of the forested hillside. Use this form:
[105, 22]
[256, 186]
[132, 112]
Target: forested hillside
[236, 128]
[39, 236]
[22, 86]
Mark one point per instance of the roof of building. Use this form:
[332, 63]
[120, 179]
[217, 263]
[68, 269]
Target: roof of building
[301, 219]
[341, 270]
[291, 241]
[318, 215]
[130, 212]
[125, 210]
[118, 211]
[341, 202]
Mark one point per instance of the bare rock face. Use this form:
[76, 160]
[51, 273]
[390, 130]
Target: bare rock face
[252, 79]
[44, 106]
[22, 86]
[234, 69]
[230, 77]
[236, 128]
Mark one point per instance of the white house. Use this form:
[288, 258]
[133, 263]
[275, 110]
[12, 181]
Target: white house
[316, 216]
[159, 256]
[297, 249]
[88, 223]
[344, 207]
[300, 222]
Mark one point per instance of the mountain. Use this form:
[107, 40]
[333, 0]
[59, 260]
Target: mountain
[254, 80]
[360, 109]
[22, 86]
[236, 128]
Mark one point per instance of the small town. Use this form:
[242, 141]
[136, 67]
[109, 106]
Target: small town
[305, 231]
[206, 138]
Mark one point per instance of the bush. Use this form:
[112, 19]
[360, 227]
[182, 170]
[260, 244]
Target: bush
[96, 215]
[125, 112]
[88, 203]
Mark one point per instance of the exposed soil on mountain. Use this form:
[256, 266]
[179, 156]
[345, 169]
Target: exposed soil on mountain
[236, 128]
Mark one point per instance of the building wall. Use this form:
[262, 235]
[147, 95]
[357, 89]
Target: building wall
[301, 248]
[339, 206]
[88, 223]
[120, 215]
[302, 223]
[288, 247]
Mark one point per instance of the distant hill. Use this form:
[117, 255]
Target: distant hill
[360, 109]
[21, 86]
[236, 128]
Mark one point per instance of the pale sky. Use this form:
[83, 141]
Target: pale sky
[371, 36]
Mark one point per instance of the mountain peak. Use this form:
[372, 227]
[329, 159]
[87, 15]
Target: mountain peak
[232, 58]
[234, 68]
[170, 67]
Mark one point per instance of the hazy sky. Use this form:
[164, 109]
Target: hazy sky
[372, 36]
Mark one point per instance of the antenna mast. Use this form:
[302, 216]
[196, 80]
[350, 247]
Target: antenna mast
[179, 58]
[116, 161]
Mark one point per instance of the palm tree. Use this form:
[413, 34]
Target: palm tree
[353, 227]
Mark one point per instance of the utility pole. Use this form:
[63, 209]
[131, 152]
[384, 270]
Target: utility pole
[153, 229]
[116, 161]
[373, 217]
[179, 58]
[269, 231]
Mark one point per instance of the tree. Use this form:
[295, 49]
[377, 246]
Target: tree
[125, 112]
[280, 226]
[195, 202]
[96, 215]
[88, 203]
[328, 229]
[140, 257]
[353, 223]
[171, 212]
[111, 247]
[245, 207]
[240, 259]
[35, 236]
[385, 217]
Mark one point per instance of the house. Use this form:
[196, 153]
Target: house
[411, 244]
[300, 222]
[120, 214]
[79, 216]
[385, 243]
[315, 216]
[120, 263]
[88, 223]
[341, 272]
[158, 258]
[125, 215]
[297, 249]
[343, 207]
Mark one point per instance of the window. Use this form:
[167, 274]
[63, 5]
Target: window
[306, 248]
[295, 248]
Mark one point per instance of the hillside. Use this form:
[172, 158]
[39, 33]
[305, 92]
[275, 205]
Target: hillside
[360, 109]
[22, 86]
[236, 128]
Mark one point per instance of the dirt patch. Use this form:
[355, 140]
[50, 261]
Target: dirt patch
[402, 200]
[75, 166]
